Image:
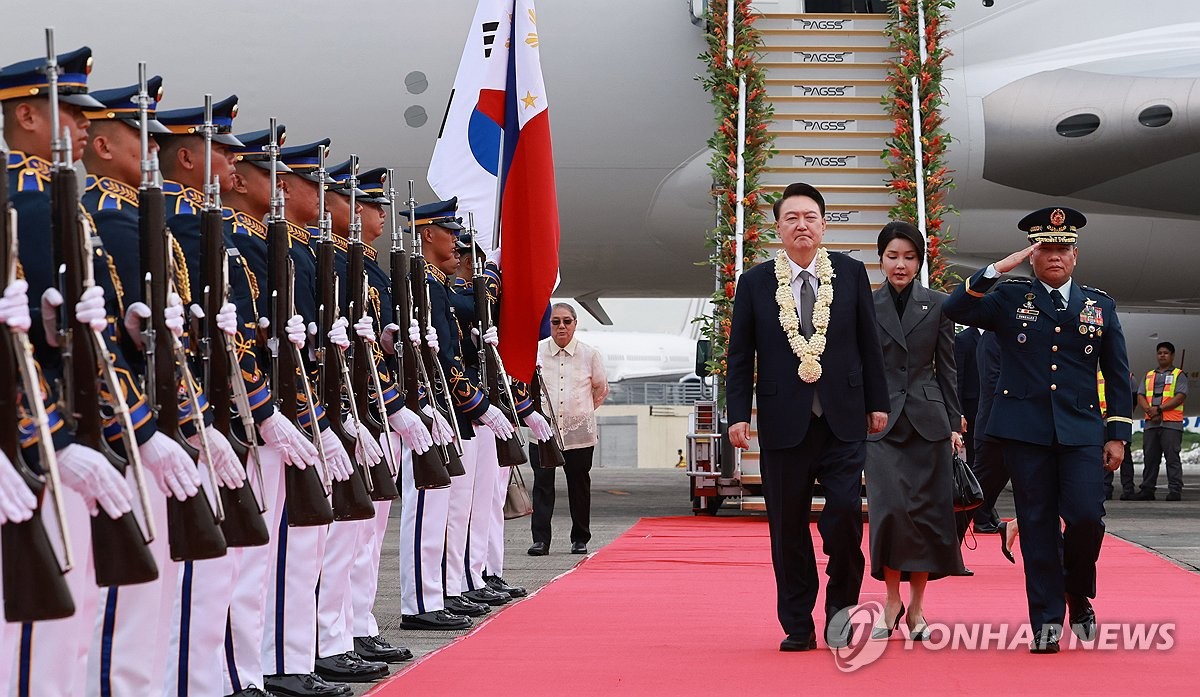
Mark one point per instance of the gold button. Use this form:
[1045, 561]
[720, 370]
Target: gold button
[1053, 348]
[1024, 324]
[1053, 387]
[1006, 392]
[1057, 330]
[1053, 367]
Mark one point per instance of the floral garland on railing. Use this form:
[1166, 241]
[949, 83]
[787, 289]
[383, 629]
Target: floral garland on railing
[721, 81]
[899, 151]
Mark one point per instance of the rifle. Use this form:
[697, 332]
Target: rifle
[307, 489]
[429, 467]
[193, 530]
[351, 498]
[34, 587]
[121, 548]
[550, 452]
[509, 451]
[439, 388]
[243, 524]
[365, 374]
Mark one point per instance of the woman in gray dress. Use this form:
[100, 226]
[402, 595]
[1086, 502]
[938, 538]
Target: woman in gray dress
[909, 469]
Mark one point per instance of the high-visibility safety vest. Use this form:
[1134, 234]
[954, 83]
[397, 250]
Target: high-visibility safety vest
[1174, 413]
[1100, 392]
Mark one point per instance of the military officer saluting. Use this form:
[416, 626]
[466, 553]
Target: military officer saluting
[1054, 334]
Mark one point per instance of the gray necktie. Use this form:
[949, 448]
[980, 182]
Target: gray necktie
[807, 299]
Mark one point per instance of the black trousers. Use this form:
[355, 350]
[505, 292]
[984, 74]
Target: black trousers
[579, 495]
[1126, 476]
[1052, 482]
[788, 476]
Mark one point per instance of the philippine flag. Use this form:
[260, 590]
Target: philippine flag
[495, 140]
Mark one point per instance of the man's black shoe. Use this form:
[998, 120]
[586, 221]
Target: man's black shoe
[1174, 496]
[838, 630]
[1144, 495]
[303, 685]
[799, 642]
[348, 667]
[376, 648]
[436, 620]
[1045, 640]
[986, 529]
[461, 606]
[498, 584]
[487, 596]
[538, 549]
[1082, 616]
[1128, 496]
[252, 691]
[578, 548]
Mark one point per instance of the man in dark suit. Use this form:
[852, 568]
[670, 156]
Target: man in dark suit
[813, 414]
[965, 343]
[1053, 335]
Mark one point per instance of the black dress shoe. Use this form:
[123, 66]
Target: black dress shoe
[252, 691]
[1144, 495]
[376, 648]
[498, 584]
[436, 620]
[461, 606]
[303, 685]
[799, 642]
[1045, 640]
[1005, 545]
[1174, 496]
[538, 549]
[838, 631]
[1128, 496]
[348, 667]
[487, 596]
[987, 529]
[1082, 616]
[578, 548]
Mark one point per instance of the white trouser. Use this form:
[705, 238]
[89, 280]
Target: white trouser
[494, 562]
[243, 658]
[9, 632]
[197, 641]
[290, 635]
[422, 543]
[365, 573]
[52, 656]
[458, 520]
[483, 498]
[333, 590]
[129, 650]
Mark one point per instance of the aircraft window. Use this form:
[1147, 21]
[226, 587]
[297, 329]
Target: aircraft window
[415, 116]
[1078, 125]
[1155, 116]
[416, 82]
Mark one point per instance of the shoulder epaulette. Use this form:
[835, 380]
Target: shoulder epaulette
[34, 172]
[114, 194]
[1095, 290]
[298, 233]
[245, 224]
[433, 273]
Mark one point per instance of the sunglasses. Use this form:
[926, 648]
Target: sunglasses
[566, 322]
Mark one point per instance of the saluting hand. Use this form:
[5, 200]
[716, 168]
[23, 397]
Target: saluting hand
[1114, 455]
[1015, 259]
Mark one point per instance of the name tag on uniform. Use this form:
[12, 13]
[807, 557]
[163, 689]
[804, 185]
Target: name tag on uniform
[1170, 380]
[1026, 314]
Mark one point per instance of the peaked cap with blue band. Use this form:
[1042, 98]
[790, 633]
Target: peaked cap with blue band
[28, 79]
[441, 213]
[190, 121]
[121, 104]
[254, 148]
[304, 160]
[374, 183]
[339, 175]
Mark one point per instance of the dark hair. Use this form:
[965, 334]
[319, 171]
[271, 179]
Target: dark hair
[799, 189]
[902, 230]
[1167, 345]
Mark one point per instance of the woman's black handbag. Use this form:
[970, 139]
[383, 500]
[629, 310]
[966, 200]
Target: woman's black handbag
[967, 492]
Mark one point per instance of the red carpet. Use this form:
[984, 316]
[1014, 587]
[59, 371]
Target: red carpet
[685, 606]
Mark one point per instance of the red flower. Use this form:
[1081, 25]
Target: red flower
[730, 288]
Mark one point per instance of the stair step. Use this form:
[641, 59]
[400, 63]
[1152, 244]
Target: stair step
[831, 71]
[825, 105]
[824, 87]
[820, 38]
[833, 53]
[825, 21]
[831, 139]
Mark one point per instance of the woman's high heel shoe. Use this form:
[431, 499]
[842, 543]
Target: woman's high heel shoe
[1005, 543]
[879, 633]
[921, 633]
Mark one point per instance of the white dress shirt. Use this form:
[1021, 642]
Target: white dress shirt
[576, 386]
[796, 290]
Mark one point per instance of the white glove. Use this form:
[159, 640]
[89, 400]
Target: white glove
[227, 319]
[388, 338]
[294, 447]
[14, 306]
[495, 419]
[367, 451]
[336, 459]
[173, 470]
[173, 315]
[539, 426]
[414, 333]
[442, 432]
[90, 309]
[337, 333]
[51, 301]
[225, 461]
[412, 430]
[92, 477]
[17, 502]
[365, 328]
[431, 339]
[295, 331]
[494, 256]
[491, 336]
[135, 317]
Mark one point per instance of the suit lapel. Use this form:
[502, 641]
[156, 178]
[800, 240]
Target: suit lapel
[885, 314]
[917, 308]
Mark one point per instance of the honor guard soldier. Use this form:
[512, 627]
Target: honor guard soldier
[1054, 334]
[53, 655]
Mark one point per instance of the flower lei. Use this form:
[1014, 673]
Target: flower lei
[807, 350]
